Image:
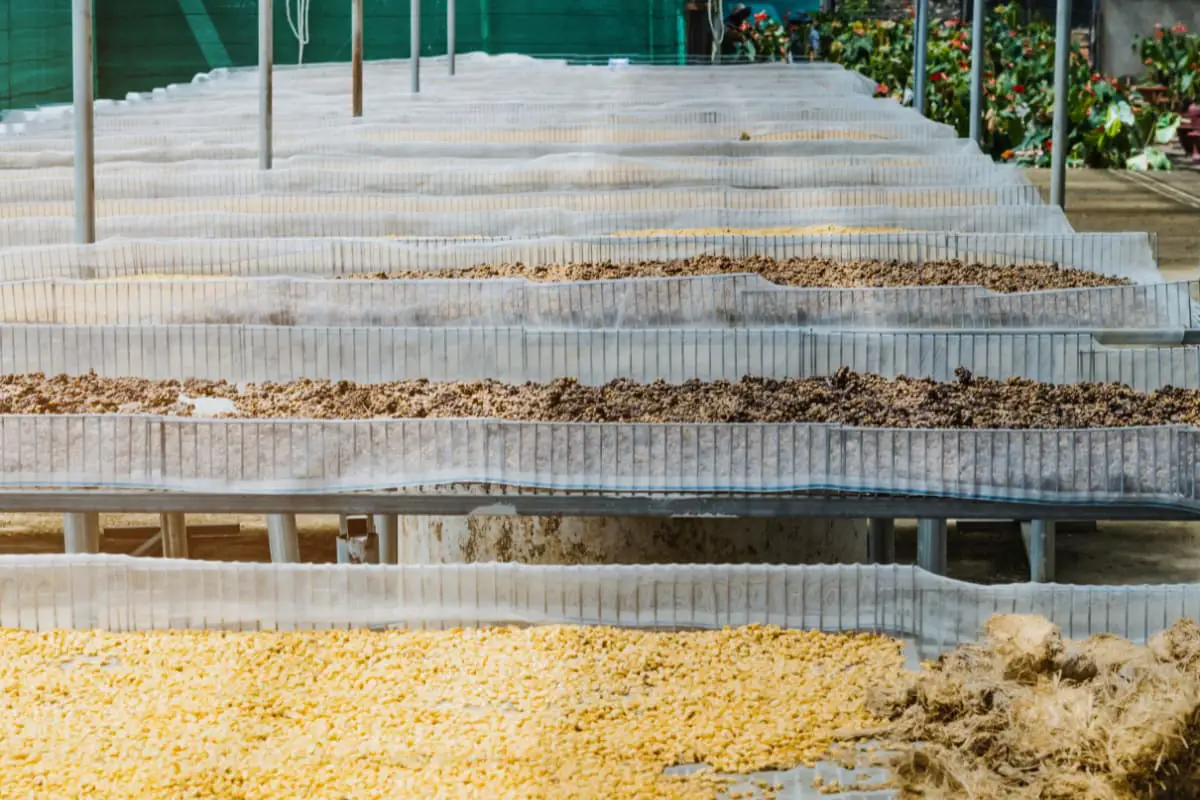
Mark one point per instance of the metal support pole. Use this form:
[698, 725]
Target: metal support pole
[387, 529]
[84, 108]
[414, 8]
[921, 45]
[931, 545]
[174, 535]
[81, 532]
[451, 25]
[356, 57]
[977, 50]
[881, 541]
[1058, 156]
[266, 63]
[283, 538]
[1039, 536]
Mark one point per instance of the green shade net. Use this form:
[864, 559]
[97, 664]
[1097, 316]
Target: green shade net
[142, 44]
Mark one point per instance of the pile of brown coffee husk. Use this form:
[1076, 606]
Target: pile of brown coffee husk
[1027, 714]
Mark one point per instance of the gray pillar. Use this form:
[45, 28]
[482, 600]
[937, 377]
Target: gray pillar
[387, 529]
[356, 58]
[1058, 156]
[931, 545]
[921, 49]
[174, 535]
[977, 58]
[881, 541]
[283, 538]
[630, 540]
[414, 22]
[1039, 537]
[451, 25]
[81, 532]
[266, 63]
[83, 89]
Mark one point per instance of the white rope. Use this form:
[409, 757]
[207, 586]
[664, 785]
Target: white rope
[299, 26]
[717, 26]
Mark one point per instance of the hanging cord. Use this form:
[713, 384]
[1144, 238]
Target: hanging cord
[300, 25]
[717, 25]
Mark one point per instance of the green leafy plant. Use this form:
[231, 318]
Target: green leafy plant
[1108, 123]
[762, 39]
[1172, 60]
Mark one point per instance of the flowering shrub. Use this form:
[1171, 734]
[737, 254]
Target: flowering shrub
[1172, 59]
[762, 39]
[1108, 123]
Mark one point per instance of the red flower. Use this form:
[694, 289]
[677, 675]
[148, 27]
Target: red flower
[1019, 88]
[1049, 145]
[937, 76]
[963, 36]
[950, 23]
[1179, 27]
[881, 88]
[745, 26]
[1012, 34]
[964, 66]
[1148, 62]
[1158, 34]
[761, 16]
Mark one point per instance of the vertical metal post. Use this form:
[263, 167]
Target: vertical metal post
[1058, 155]
[356, 57]
[451, 26]
[921, 50]
[81, 532]
[387, 529]
[414, 8]
[283, 538]
[1040, 544]
[881, 541]
[266, 64]
[931, 545]
[83, 95]
[978, 48]
[174, 535]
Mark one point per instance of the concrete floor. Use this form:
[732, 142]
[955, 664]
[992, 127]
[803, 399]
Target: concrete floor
[1116, 553]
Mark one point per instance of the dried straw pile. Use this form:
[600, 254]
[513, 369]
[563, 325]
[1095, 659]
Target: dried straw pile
[1027, 714]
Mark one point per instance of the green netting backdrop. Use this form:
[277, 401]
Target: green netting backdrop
[141, 44]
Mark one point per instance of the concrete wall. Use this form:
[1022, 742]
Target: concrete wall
[1122, 20]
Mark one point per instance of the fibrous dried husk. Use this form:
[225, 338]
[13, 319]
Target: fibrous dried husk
[1028, 715]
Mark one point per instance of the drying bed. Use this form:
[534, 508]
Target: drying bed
[262, 353]
[799, 271]
[595, 201]
[116, 618]
[115, 446]
[1117, 255]
[844, 398]
[603, 173]
[585, 711]
[24, 231]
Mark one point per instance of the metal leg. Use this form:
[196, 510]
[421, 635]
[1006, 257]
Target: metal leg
[931, 545]
[881, 541]
[414, 22]
[84, 109]
[283, 538]
[451, 25]
[1061, 146]
[266, 63]
[921, 43]
[1039, 538]
[356, 57]
[977, 51]
[174, 535]
[81, 532]
[387, 528]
